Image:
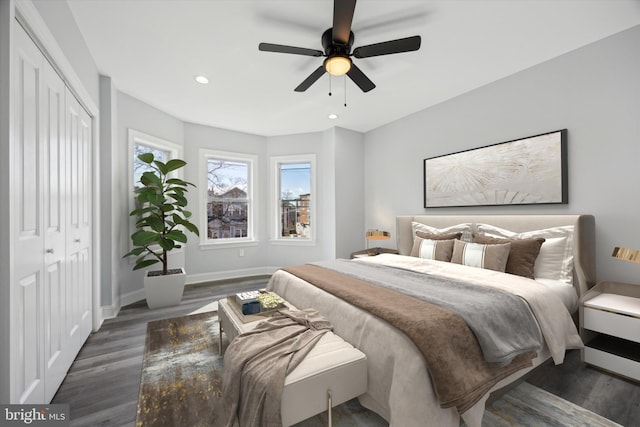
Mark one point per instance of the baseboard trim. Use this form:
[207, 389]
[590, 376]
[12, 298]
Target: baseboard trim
[111, 311]
[193, 279]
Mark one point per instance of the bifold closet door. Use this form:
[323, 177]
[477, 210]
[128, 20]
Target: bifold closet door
[78, 232]
[51, 290]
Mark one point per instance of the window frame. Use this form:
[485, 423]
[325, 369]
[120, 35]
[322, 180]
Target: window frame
[276, 237]
[252, 161]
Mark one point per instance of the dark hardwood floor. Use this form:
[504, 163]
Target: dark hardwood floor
[102, 384]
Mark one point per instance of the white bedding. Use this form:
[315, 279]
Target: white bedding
[566, 293]
[399, 387]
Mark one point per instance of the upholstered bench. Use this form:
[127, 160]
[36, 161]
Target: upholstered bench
[332, 373]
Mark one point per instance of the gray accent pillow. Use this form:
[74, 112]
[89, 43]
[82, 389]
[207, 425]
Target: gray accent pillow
[492, 257]
[439, 250]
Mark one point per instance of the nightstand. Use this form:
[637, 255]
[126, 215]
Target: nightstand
[372, 252]
[610, 328]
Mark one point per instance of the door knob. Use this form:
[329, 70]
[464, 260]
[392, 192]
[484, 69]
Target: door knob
[49, 250]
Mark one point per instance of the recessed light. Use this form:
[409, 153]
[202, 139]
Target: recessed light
[333, 116]
[202, 80]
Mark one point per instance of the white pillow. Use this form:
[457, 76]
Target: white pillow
[465, 229]
[555, 260]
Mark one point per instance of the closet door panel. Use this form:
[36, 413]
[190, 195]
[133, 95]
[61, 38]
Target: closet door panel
[54, 167]
[78, 131]
[27, 329]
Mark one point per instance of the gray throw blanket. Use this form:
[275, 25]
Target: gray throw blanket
[505, 331]
[257, 362]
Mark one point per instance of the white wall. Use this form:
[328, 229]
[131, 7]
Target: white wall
[281, 254]
[206, 262]
[349, 192]
[594, 92]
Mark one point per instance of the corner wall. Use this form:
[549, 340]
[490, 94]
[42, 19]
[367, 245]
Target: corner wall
[593, 91]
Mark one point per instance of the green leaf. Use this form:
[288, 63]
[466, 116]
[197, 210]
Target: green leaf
[174, 164]
[177, 235]
[180, 200]
[135, 252]
[162, 166]
[145, 263]
[176, 181]
[143, 238]
[166, 243]
[155, 223]
[146, 158]
[151, 179]
[191, 227]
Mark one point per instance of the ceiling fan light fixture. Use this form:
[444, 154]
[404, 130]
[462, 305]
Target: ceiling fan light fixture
[337, 65]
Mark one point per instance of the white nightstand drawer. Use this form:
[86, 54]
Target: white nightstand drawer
[611, 362]
[618, 325]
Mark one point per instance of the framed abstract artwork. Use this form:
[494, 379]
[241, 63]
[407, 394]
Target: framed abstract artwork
[531, 170]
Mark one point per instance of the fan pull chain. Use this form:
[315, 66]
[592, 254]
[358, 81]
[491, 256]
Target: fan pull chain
[345, 91]
[329, 84]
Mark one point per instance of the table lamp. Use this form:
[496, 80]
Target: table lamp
[376, 235]
[626, 254]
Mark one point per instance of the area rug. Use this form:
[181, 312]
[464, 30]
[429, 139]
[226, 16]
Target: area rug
[182, 380]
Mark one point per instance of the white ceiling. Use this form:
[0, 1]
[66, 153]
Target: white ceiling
[152, 49]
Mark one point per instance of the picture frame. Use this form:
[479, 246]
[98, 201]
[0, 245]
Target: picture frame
[525, 171]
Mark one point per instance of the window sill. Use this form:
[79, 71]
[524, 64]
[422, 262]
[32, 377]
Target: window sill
[292, 242]
[227, 244]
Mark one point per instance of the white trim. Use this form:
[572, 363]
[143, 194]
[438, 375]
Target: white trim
[252, 229]
[230, 274]
[28, 15]
[274, 211]
[131, 297]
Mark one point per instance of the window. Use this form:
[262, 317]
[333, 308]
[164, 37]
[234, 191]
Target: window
[228, 191]
[294, 198]
[142, 143]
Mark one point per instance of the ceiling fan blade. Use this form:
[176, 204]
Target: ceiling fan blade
[360, 79]
[311, 79]
[279, 48]
[407, 44]
[342, 17]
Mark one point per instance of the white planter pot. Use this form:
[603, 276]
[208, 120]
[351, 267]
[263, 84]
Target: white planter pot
[164, 291]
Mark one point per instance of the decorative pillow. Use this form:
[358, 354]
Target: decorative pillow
[433, 236]
[522, 255]
[492, 257]
[465, 229]
[555, 260]
[439, 250]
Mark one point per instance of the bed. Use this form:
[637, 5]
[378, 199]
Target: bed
[401, 388]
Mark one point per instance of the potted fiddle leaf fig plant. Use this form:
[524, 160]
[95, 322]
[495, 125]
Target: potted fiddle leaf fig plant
[161, 219]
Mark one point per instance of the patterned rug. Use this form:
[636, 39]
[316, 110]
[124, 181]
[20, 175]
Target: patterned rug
[182, 380]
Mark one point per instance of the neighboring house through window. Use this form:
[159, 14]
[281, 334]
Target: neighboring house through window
[294, 196]
[227, 184]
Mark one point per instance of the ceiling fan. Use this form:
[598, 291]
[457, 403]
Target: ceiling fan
[337, 42]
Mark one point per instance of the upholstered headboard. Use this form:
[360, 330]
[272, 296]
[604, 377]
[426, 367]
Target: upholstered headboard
[584, 258]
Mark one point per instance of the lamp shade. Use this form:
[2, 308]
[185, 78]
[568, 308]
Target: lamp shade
[626, 254]
[378, 235]
[337, 65]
